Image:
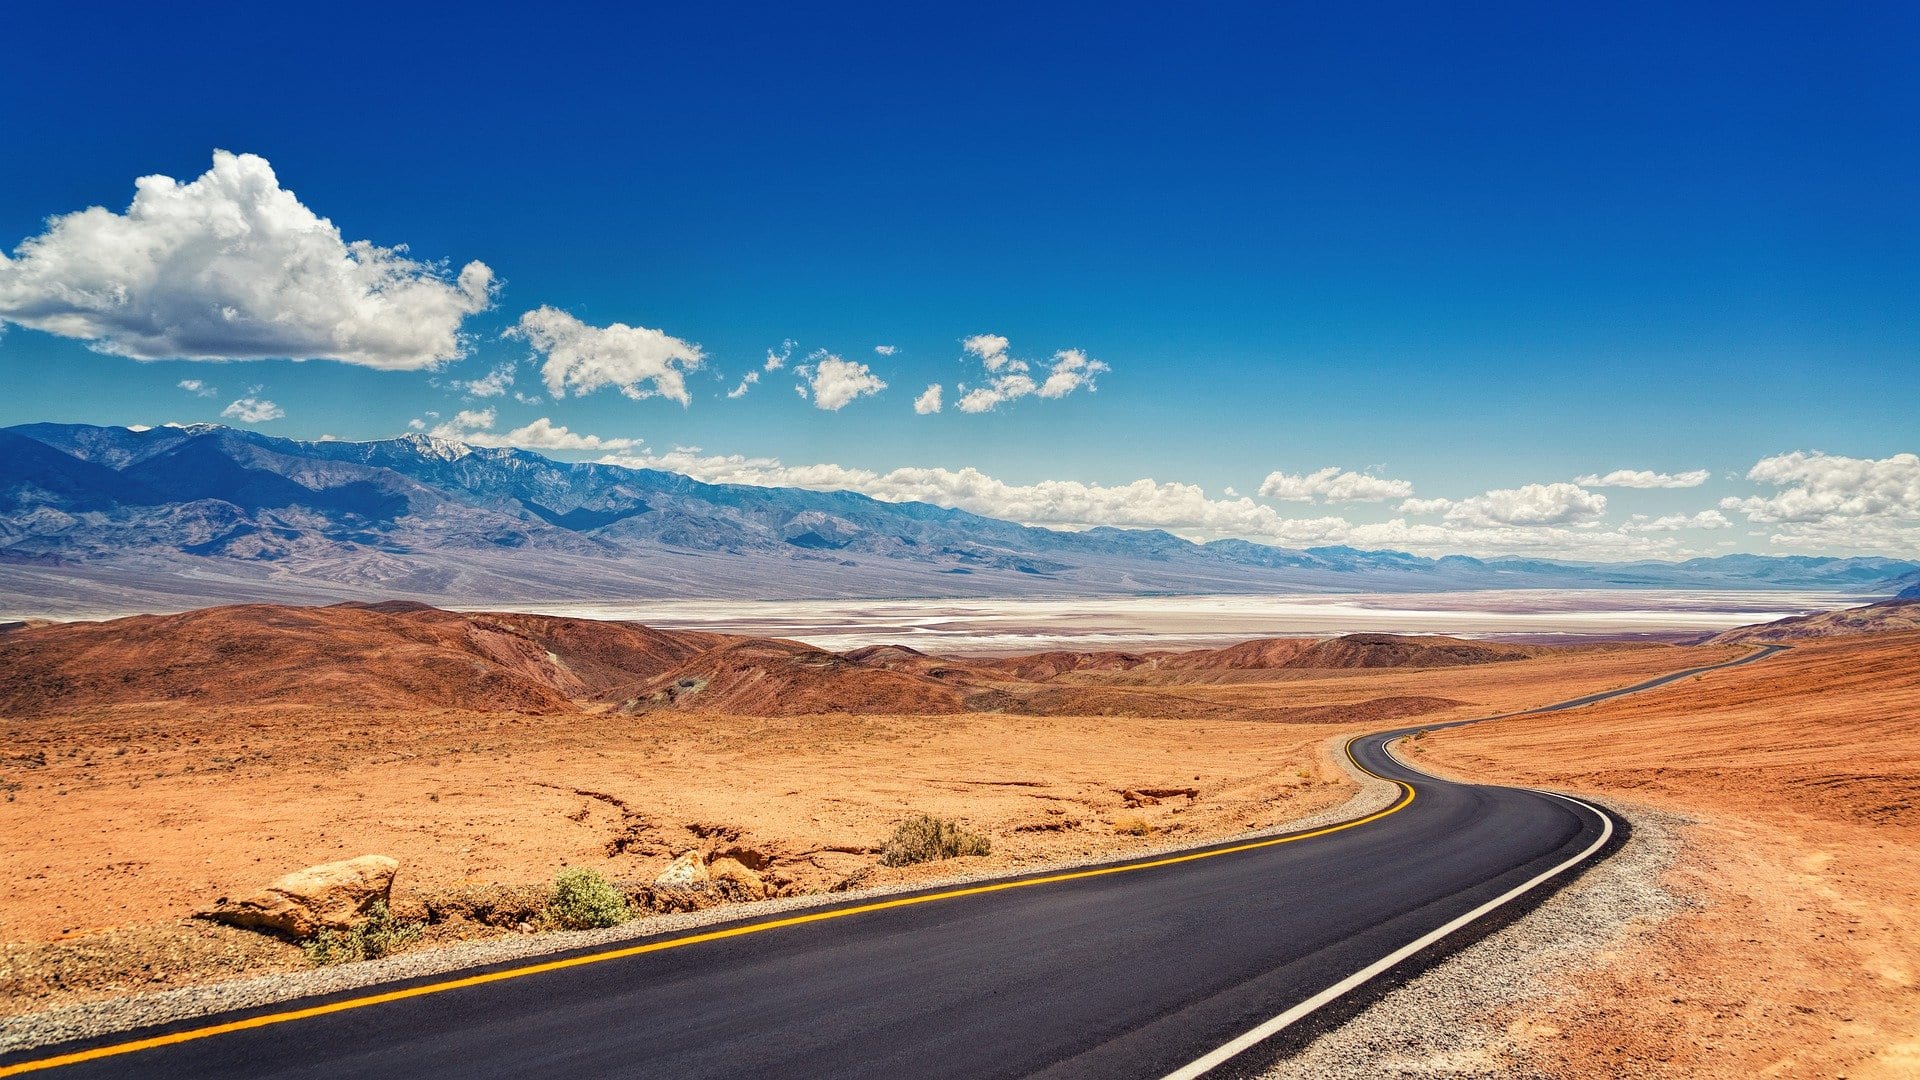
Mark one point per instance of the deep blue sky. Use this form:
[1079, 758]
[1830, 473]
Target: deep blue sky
[1472, 248]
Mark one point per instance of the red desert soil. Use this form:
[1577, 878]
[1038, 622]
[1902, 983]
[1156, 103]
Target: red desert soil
[153, 765]
[1804, 774]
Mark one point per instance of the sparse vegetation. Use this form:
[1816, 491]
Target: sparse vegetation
[380, 935]
[1131, 825]
[926, 838]
[585, 900]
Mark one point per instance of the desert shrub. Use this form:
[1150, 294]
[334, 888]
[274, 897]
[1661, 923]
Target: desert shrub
[1131, 825]
[585, 900]
[926, 838]
[380, 935]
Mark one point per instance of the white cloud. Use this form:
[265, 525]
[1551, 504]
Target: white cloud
[473, 426]
[1333, 485]
[231, 266]
[778, 359]
[1425, 506]
[416, 424]
[1705, 519]
[835, 382]
[641, 362]
[992, 351]
[198, 388]
[885, 350]
[928, 401]
[1008, 377]
[1071, 370]
[253, 411]
[1530, 505]
[1642, 478]
[1181, 508]
[746, 383]
[464, 421]
[1820, 487]
[493, 384]
[1831, 503]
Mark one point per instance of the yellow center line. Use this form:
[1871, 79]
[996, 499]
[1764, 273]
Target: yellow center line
[367, 1000]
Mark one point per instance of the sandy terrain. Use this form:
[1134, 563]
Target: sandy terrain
[1802, 959]
[123, 819]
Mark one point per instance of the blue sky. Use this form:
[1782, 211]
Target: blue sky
[1472, 256]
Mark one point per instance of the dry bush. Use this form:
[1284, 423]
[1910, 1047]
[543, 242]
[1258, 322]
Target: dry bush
[926, 838]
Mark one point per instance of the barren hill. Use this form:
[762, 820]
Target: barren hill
[389, 655]
[1883, 617]
[398, 655]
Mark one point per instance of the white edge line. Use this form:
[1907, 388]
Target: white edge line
[1275, 1026]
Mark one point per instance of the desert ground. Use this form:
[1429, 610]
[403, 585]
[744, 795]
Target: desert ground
[155, 766]
[1800, 957]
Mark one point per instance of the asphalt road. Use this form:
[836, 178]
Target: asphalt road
[1128, 973]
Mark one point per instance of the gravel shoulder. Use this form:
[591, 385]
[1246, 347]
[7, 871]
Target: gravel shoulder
[1461, 1018]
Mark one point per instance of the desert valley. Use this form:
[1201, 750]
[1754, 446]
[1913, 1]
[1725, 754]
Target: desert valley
[161, 767]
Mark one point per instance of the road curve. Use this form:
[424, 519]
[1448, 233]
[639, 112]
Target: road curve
[1151, 968]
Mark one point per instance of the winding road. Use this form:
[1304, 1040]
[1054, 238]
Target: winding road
[1184, 965]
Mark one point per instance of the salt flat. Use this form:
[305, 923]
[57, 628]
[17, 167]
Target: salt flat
[1159, 622]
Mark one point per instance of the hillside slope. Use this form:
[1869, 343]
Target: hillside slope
[1883, 617]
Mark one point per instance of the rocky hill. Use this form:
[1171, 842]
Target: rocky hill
[403, 656]
[100, 520]
[1883, 617]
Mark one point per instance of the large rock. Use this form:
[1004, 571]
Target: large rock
[688, 870]
[331, 896]
[745, 884]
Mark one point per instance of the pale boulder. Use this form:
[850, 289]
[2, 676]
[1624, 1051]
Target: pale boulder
[688, 870]
[330, 896]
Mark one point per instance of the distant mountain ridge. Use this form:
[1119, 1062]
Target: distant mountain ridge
[111, 518]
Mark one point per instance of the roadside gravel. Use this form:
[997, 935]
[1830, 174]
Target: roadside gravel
[1457, 1020]
[93, 1019]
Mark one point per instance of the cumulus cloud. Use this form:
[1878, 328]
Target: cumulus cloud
[641, 362]
[1821, 487]
[198, 388]
[833, 382]
[885, 350]
[1425, 506]
[928, 401]
[1000, 389]
[494, 383]
[1643, 478]
[1181, 508]
[250, 410]
[474, 426]
[1010, 378]
[992, 351]
[231, 266]
[1705, 519]
[746, 384]
[1831, 503]
[777, 358]
[1331, 484]
[1530, 505]
[463, 422]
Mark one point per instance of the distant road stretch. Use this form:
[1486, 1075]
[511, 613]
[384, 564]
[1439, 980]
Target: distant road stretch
[1170, 966]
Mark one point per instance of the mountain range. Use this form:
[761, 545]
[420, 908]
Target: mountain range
[111, 519]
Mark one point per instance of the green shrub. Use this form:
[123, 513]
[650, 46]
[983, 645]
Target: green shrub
[379, 936]
[926, 838]
[585, 900]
